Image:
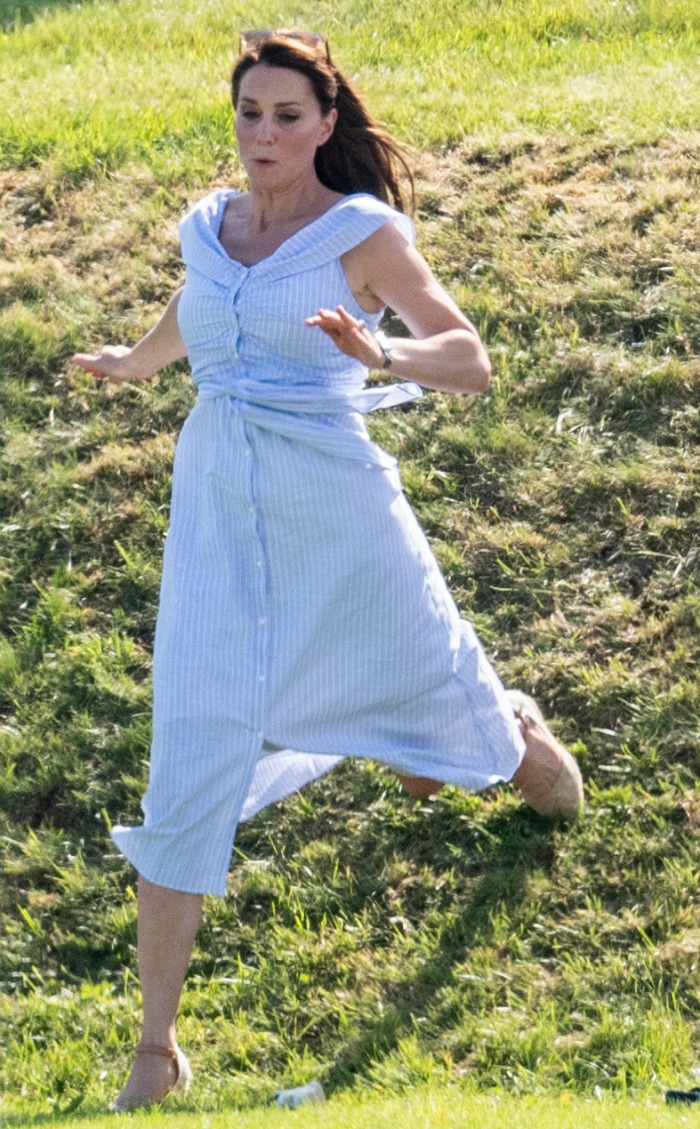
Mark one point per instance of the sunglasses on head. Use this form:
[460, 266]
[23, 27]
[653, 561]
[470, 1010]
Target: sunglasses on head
[251, 40]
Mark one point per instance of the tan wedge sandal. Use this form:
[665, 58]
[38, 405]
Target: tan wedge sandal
[183, 1077]
[549, 779]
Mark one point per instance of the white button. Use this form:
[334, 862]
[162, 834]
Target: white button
[260, 733]
[258, 564]
[246, 450]
[262, 620]
[251, 509]
[261, 678]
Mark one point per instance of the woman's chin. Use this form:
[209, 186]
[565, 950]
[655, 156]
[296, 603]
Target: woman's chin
[264, 171]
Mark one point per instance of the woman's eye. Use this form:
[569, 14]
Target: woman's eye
[249, 115]
[288, 118]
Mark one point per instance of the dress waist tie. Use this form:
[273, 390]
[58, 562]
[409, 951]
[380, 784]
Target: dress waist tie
[294, 413]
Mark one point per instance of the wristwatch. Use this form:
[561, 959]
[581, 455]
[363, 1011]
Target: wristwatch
[383, 342]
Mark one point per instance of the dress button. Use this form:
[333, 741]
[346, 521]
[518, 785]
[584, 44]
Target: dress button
[262, 620]
[258, 564]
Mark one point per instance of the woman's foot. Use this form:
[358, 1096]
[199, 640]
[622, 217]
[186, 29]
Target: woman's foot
[156, 1071]
[549, 778]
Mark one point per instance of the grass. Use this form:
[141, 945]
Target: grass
[424, 1108]
[96, 85]
[446, 958]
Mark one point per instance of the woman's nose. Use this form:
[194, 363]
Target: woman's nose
[265, 128]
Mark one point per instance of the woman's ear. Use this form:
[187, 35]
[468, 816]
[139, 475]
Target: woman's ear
[328, 125]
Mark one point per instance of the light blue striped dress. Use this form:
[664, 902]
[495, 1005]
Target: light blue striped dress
[303, 617]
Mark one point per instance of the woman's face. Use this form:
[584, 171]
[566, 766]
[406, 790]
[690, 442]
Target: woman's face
[279, 125]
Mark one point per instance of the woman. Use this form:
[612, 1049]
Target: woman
[302, 617]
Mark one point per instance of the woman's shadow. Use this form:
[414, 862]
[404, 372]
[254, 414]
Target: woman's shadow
[517, 846]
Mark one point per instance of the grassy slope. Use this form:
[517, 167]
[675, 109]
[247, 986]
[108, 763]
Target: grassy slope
[368, 940]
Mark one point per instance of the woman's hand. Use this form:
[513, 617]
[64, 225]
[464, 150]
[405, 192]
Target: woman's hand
[445, 351]
[162, 345]
[111, 363]
[350, 334]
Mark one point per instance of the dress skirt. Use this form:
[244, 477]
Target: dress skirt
[303, 619]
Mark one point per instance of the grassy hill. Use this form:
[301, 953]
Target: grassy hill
[368, 940]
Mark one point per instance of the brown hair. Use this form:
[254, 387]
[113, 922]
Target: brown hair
[359, 156]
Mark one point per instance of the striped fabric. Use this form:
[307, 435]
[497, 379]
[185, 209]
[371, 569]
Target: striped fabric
[303, 618]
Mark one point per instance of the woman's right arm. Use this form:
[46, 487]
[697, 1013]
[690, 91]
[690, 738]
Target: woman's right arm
[161, 346]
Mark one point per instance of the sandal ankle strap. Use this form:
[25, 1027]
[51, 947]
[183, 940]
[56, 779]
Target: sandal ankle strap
[526, 710]
[528, 719]
[154, 1049]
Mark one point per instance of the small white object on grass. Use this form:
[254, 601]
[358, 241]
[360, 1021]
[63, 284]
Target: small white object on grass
[311, 1092]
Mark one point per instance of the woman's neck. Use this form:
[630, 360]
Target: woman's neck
[268, 208]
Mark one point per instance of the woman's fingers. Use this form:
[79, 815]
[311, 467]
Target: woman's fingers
[349, 333]
[90, 362]
[106, 362]
[356, 327]
[325, 319]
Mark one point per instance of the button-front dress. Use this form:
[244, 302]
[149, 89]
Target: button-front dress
[303, 617]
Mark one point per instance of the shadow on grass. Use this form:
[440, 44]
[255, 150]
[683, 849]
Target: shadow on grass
[517, 847]
[18, 12]
[73, 1110]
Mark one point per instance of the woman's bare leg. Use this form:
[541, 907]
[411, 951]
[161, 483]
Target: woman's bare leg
[419, 787]
[167, 926]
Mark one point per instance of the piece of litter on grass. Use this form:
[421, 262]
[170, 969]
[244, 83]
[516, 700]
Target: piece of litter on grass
[300, 1095]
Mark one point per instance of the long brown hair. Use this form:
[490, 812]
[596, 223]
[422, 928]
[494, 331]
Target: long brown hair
[360, 155]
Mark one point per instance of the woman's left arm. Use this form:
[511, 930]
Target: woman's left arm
[445, 351]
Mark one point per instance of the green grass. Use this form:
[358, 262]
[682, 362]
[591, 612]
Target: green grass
[435, 1107]
[461, 955]
[102, 84]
